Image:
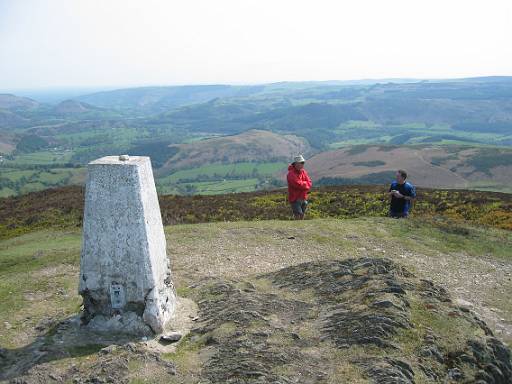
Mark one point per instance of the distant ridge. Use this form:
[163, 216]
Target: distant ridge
[73, 107]
[157, 99]
[14, 103]
[163, 98]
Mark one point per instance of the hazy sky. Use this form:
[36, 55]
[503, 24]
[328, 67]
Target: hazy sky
[56, 43]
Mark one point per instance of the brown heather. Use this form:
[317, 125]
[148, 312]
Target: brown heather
[62, 207]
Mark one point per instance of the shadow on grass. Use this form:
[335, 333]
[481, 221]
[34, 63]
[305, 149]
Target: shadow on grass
[62, 339]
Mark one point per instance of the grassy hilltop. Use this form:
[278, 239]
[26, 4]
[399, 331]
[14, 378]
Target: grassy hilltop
[348, 295]
[258, 321]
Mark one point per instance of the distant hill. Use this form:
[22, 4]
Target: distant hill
[10, 119]
[12, 108]
[6, 142]
[73, 107]
[184, 129]
[16, 103]
[428, 166]
[163, 98]
[253, 145]
[386, 112]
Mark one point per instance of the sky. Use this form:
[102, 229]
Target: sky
[121, 43]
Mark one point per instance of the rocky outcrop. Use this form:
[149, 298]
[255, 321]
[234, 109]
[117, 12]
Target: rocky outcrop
[347, 320]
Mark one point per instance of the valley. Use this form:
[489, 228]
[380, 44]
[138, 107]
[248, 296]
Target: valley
[450, 133]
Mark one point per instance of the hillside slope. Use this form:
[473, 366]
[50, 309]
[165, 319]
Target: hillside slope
[155, 99]
[6, 142]
[252, 145]
[72, 107]
[16, 103]
[428, 166]
[473, 111]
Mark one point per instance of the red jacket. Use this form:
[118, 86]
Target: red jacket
[299, 184]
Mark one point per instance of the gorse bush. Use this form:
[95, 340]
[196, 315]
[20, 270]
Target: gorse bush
[63, 207]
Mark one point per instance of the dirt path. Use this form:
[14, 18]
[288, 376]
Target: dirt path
[479, 284]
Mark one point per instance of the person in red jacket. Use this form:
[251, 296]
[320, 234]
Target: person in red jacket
[299, 184]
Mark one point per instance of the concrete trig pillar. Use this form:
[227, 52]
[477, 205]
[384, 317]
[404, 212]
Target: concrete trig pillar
[125, 278]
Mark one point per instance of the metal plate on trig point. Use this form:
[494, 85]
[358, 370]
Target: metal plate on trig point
[117, 298]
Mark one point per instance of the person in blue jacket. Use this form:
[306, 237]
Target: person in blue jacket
[402, 193]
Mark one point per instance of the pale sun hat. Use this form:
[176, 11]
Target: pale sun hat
[298, 159]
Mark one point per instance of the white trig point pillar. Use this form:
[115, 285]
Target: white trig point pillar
[125, 277]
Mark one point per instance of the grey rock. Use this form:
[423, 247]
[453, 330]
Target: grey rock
[455, 374]
[482, 376]
[432, 351]
[107, 350]
[171, 337]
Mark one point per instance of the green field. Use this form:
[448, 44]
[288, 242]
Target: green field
[117, 136]
[25, 259]
[210, 187]
[6, 192]
[15, 181]
[219, 178]
[245, 169]
[47, 157]
[357, 132]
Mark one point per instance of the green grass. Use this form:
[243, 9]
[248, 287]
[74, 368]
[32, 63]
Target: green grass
[358, 124]
[84, 350]
[491, 187]
[346, 235]
[452, 333]
[372, 163]
[431, 235]
[117, 135]
[34, 272]
[6, 192]
[383, 139]
[32, 187]
[38, 249]
[186, 355]
[228, 186]
[15, 174]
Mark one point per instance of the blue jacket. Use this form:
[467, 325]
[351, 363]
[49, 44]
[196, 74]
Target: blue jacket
[401, 206]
